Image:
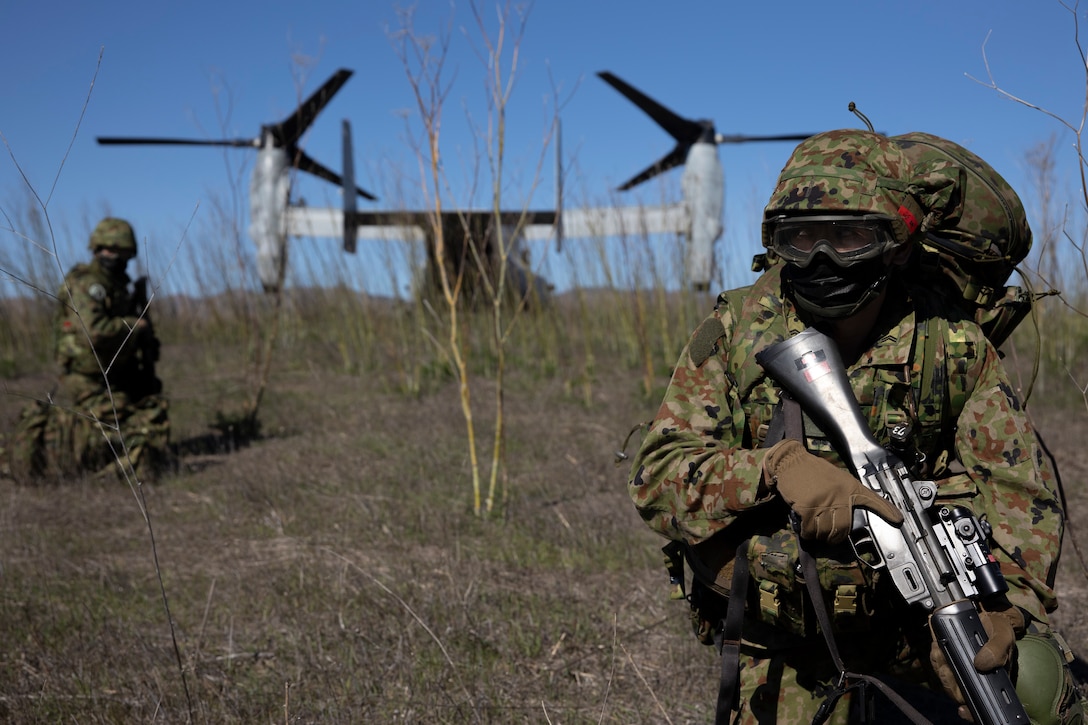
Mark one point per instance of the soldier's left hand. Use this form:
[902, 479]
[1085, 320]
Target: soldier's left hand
[821, 494]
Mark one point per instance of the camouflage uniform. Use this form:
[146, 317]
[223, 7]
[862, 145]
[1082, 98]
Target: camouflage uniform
[108, 399]
[699, 471]
[698, 478]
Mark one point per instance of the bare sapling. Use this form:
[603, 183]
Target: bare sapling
[499, 288]
[1073, 228]
[423, 59]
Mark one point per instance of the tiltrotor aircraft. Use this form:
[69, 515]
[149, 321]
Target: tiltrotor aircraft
[273, 216]
[698, 217]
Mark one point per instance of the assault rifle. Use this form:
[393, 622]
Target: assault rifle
[148, 382]
[939, 558]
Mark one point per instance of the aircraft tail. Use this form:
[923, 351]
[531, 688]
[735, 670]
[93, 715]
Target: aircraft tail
[558, 185]
[348, 171]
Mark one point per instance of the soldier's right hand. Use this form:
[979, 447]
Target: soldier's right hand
[820, 493]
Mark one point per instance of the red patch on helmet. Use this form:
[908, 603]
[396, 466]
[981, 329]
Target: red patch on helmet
[908, 219]
[67, 324]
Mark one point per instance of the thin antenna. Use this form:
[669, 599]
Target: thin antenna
[854, 110]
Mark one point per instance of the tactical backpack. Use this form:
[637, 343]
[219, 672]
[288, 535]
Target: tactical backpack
[972, 246]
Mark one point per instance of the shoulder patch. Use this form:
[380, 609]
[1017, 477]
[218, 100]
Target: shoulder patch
[704, 342]
[97, 292]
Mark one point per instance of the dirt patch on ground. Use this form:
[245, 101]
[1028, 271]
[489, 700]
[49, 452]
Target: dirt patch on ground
[333, 571]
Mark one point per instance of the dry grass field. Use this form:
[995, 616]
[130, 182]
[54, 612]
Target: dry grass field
[332, 570]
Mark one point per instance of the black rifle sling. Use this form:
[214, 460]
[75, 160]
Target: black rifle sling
[847, 680]
[786, 423]
[728, 639]
[791, 413]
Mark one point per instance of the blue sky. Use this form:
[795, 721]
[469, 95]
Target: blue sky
[212, 70]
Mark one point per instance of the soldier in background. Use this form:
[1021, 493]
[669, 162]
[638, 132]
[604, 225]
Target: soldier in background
[712, 476]
[108, 411]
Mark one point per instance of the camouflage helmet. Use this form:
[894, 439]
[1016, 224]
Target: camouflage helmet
[114, 233]
[848, 171]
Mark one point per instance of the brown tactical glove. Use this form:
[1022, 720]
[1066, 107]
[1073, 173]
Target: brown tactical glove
[1004, 624]
[821, 493]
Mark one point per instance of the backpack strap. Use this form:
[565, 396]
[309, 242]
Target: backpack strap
[742, 374]
[755, 302]
[934, 394]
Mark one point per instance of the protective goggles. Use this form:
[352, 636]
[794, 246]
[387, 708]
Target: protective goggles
[845, 239]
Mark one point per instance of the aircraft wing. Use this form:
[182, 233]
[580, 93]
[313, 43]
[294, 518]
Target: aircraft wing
[406, 225]
[304, 221]
[614, 221]
[536, 225]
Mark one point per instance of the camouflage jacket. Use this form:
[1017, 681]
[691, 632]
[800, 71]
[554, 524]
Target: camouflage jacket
[698, 472]
[94, 316]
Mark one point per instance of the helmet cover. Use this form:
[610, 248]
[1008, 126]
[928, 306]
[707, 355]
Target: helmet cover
[847, 172]
[114, 233]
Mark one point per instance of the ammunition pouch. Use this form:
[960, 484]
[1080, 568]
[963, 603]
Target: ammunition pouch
[777, 606]
[708, 609]
[780, 600]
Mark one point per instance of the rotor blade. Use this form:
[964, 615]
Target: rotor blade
[674, 158]
[119, 140]
[290, 129]
[302, 162]
[734, 138]
[681, 129]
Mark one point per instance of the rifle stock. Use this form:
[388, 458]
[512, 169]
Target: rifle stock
[938, 558]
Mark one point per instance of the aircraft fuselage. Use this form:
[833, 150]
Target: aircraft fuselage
[269, 188]
[703, 186]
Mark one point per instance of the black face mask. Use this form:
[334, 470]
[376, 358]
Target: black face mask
[114, 265]
[826, 290]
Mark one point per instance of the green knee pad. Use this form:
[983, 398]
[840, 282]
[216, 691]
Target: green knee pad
[1045, 683]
